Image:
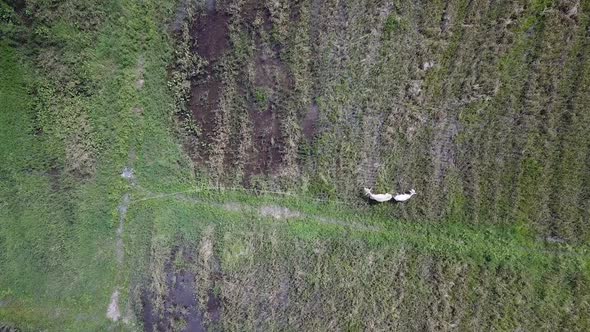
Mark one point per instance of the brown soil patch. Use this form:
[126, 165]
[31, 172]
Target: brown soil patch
[233, 207]
[113, 312]
[262, 91]
[180, 309]
[443, 147]
[271, 73]
[120, 245]
[180, 304]
[211, 31]
[271, 76]
[267, 136]
[251, 8]
[204, 104]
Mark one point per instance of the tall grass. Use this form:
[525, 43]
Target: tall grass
[85, 92]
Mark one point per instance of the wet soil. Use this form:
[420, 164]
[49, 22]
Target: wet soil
[262, 91]
[211, 34]
[20, 8]
[149, 319]
[272, 76]
[213, 306]
[211, 30]
[180, 305]
[267, 155]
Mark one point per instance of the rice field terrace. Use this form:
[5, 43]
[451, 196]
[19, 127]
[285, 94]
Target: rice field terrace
[200, 165]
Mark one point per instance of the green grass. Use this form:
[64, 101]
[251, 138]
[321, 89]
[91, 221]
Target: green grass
[59, 216]
[460, 255]
[332, 271]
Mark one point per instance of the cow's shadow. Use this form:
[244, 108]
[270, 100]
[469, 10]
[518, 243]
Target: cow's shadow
[372, 202]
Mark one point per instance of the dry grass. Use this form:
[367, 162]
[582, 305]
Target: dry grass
[470, 103]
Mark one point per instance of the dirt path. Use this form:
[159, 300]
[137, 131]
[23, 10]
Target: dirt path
[281, 213]
[266, 211]
[120, 245]
[113, 312]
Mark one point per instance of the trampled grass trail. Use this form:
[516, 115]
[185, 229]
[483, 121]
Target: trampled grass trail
[287, 206]
[322, 255]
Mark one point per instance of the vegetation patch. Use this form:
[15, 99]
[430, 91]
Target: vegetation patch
[232, 140]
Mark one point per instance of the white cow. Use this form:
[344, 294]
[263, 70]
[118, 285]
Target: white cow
[404, 197]
[378, 197]
[387, 196]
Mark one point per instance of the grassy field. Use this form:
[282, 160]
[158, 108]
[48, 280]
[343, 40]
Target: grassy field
[91, 88]
[321, 266]
[468, 102]
[74, 114]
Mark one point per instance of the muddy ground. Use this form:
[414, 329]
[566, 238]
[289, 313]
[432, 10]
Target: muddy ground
[237, 101]
[178, 308]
